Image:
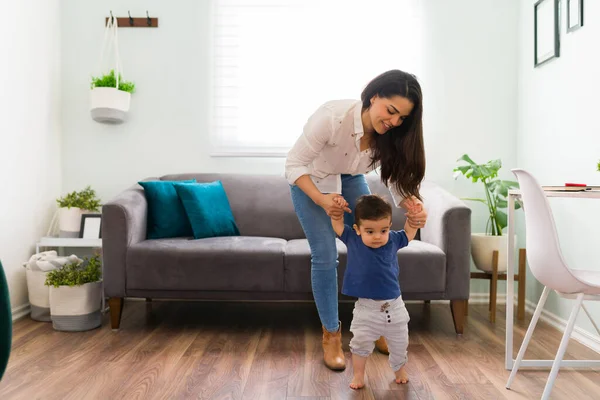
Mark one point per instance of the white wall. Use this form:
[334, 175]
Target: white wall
[558, 138]
[30, 133]
[469, 82]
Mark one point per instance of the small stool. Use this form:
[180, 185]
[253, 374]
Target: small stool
[494, 277]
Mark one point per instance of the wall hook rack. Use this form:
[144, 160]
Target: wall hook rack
[131, 22]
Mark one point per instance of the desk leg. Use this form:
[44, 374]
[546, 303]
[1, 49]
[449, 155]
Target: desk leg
[510, 282]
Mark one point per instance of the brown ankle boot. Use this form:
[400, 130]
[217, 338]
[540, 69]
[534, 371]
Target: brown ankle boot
[332, 350]
[381, 345]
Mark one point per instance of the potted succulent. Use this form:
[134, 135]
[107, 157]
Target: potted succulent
[72, 206]
[110, 97]
[110, 94]
[496, 192]
[76, 295]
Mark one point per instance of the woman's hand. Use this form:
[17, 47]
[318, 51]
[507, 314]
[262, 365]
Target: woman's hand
[334, 205]
[416, 215]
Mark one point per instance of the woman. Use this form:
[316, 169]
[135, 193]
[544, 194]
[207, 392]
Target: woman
[341, 141]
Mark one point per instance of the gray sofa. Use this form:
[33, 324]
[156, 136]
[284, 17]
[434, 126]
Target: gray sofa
[271, 258]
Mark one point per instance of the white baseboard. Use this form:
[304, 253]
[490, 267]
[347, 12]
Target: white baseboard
[20, 312]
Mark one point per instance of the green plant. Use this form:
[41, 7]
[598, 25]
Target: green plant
[598, 166]
[111, 81]
[85, 199]
[496, 190]
[76, 274]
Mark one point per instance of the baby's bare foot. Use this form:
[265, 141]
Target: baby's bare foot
[401, 375]
[357, 383]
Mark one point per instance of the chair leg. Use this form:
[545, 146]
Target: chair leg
[532, 324]
[563, 347]
[494, 287]
[522, 274]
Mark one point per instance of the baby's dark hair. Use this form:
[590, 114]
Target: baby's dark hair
[371, 207]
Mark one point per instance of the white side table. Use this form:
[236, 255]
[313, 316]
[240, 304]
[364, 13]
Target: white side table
[53, 241]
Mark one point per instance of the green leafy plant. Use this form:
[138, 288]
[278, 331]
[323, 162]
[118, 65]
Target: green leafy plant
[496, 190]
[85, 199]
[598, 166]
[76, 274]
[110, 80]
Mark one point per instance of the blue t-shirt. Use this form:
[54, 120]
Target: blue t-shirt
[372, 273]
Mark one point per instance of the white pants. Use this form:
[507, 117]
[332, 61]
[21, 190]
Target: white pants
[375, 318]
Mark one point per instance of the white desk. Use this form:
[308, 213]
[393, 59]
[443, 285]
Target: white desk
[510, 282]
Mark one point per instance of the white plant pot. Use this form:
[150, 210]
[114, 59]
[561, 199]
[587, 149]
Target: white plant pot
[109, 105]
[39, 295]
[69, 221]
[482, 248]
[76, 308]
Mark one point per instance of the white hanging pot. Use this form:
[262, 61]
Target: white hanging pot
[76, 308]
[109, 105]
[69, 221]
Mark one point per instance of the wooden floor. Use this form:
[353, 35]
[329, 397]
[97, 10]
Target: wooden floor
[206, 350]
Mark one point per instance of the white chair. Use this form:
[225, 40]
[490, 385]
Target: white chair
[550, 269]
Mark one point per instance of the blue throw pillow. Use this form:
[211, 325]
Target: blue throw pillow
[166, 216]
[208, 209]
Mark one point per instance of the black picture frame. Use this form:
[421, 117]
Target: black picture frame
[575, 20]
[85, 221]
[551, 34]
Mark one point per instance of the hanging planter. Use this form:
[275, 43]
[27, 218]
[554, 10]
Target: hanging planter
[110, 95]
[76, 296]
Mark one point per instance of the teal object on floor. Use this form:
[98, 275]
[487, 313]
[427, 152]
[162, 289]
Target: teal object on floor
[5, 323]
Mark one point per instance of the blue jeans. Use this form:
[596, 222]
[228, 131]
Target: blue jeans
[321, 238]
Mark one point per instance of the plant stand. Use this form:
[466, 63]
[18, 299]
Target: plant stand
[494, 277]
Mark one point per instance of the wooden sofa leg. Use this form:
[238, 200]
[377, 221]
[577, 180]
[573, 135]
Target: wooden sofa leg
[116, 309]
[458, 314]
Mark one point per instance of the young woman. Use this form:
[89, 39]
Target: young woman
[342, 141]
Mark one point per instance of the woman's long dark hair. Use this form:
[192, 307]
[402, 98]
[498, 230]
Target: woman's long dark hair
[400, 150]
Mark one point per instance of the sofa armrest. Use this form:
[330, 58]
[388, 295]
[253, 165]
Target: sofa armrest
[449, 228]
[123, 224]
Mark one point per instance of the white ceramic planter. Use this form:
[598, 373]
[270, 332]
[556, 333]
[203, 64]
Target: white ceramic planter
[482, 248]
[69, 221]
[76, 308]
[109, 105]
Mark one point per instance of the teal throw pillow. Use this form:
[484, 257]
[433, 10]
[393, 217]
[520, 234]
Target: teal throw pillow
[166, 216]
[208, 209]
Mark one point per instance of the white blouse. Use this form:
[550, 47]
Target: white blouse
[330, 146]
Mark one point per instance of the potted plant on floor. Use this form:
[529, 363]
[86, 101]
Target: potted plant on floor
[496, 192]
[76, 295]
[72, 206]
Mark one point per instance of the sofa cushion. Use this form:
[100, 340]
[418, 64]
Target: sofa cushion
[166, 215]
[225, 263]
[207, 209]
[422, 267]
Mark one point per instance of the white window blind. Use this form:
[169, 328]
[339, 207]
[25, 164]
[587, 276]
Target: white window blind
[276, 61]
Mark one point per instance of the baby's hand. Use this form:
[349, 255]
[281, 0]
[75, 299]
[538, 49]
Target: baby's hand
[340, 201]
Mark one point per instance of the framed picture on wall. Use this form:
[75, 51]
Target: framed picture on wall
[574, 15]
[546, 31]
[91, 226]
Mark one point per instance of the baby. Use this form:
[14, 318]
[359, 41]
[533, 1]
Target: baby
[372, 276]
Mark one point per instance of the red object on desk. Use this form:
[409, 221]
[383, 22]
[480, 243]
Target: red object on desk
[575, 184]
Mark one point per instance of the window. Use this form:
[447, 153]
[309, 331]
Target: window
[276, 61]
